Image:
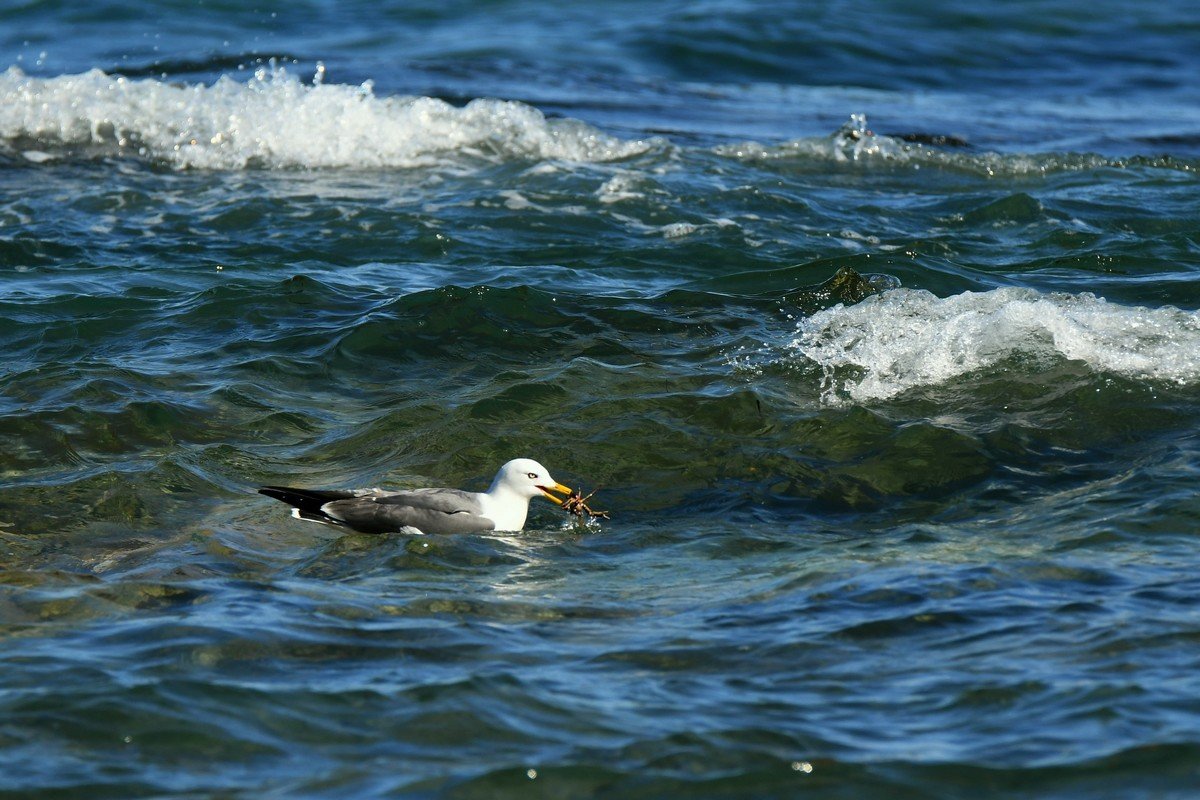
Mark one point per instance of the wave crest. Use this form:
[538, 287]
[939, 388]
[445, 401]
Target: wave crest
[855, 142]
[275, 120]
[907, 338]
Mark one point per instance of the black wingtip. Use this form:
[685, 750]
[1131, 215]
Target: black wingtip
[309, 500]
[303, 499]
[277, 492]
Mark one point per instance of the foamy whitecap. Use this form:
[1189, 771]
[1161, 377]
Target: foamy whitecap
[275, 120]
[907, 338]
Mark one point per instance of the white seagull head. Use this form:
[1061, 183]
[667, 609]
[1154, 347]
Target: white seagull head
[527, 478]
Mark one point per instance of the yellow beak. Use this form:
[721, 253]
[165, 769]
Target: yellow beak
[558, 487]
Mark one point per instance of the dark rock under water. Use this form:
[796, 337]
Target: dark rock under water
[847, 286]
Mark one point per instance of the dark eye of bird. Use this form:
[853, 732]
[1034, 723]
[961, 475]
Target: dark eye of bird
[532, 474]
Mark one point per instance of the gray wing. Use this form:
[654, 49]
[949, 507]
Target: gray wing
[428, 510]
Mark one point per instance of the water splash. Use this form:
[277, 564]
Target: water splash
[275, 120]
[854, 141]
[906, 338]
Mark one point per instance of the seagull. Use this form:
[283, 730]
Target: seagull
[503, 507]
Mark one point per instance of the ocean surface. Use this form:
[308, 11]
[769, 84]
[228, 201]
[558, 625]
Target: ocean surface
[874, 323]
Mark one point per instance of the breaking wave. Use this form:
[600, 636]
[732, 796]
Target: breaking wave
[906, 338]
[275, 120]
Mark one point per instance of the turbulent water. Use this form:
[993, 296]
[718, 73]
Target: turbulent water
[875, 323]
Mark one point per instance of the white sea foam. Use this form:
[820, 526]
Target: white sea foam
[677, 230]
[275, 120]
[907, 338]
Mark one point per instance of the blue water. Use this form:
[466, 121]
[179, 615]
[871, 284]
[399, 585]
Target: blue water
[875, 324]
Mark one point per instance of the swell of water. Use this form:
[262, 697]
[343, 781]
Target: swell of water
[274, 120]
[854, 141]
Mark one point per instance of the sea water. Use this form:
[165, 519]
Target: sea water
[936, 537]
